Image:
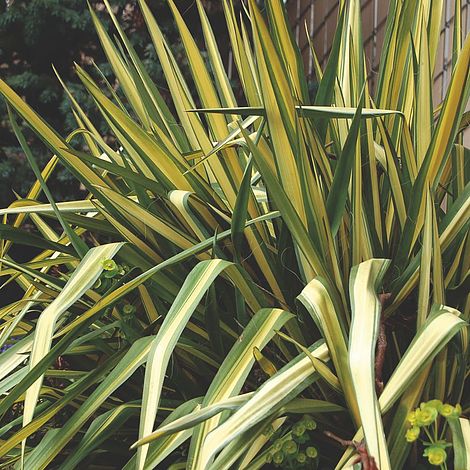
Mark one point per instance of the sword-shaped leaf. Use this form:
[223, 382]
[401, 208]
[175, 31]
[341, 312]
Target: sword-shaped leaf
[81, 280]
[271, 396]
[191, 293]
[366, 307]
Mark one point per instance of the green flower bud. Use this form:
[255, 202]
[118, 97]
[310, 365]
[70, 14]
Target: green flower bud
[289, 447]
[128, 309]
[109, 265]
[311, 452]
[277, 445]
[110, 268]
[278, 457]
[301, 457]
[309, 422]
[433, 404]
[298, 429]
[446, 410]
[436, 455]
[457, 411]
[412, 434]
[426, 415]
[449, 411]
[411, 417]
[269, 458]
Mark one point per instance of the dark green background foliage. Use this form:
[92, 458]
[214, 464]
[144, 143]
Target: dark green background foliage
[37, 33]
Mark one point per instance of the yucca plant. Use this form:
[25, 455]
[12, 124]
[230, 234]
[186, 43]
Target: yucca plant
[238, 265]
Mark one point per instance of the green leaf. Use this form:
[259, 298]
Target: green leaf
[460, 428]
[235, 369]
[240, 212]
[338, 193]
[364, 282]
[192, 291]
[440, 327]
[79, 245]
[318, 297]
[104, 426]
[132, 360]
[272, 395]
[28, 239]
[81, 280]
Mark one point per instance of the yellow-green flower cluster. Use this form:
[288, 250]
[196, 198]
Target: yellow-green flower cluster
[293, 450]
[428, 412]
[425, 415]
